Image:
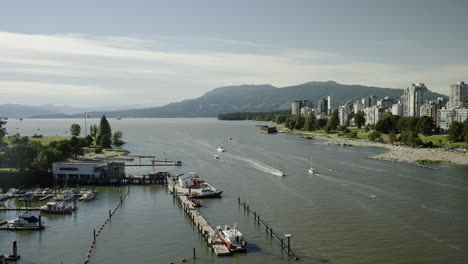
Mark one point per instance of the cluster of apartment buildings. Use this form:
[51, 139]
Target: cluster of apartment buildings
[413, 103]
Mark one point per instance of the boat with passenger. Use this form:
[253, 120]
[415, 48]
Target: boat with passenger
[232, 238]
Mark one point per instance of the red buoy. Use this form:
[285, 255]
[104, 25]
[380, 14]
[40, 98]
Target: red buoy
[184, 260]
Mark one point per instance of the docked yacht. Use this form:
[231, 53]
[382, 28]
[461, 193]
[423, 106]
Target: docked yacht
[220, 149]
[25, 220]
[38, 192]
[206, 193]
[89, 195]
[232, 238]
[56, 208]
[65, 196]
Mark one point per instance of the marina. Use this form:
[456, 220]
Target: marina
[206, 230]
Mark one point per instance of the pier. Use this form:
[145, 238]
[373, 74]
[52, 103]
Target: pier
[206, 230]
[285, 245]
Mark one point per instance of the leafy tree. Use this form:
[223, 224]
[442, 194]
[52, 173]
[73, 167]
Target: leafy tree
[465, 130]
[290, 122]
[104, 133]
[311, 122]
[425, 125]
[75, 130]
[334, 120]
[322, 122]
[117, 139]
[89, 140]
[392, 137]
[327, 129]
[359, 118]
[76, 145]
[366, 128]
[387, 124]
[413, 124]
[2, 129]
[342, 128]
[93, 130]
[410, 138]
[375, 136]
[455, 132]
[20, 156]
[280, 119]
[299, 122]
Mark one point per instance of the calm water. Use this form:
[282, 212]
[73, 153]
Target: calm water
[361, 211]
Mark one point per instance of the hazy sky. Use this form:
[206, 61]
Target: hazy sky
[107, 52]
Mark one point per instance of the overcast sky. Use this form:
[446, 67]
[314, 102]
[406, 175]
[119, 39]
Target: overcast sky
[108, 52]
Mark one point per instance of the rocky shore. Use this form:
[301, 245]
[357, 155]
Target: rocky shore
[397, 153]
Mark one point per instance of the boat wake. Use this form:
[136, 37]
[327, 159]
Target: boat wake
[257, 165]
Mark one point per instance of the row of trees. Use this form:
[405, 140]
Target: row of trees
[258, 116]
[101, 135]
[458, 132]
[424, 125]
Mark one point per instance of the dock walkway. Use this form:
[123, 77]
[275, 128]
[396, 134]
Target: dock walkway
[199, 221]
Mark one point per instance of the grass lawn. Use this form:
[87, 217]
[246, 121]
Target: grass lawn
[45, 140]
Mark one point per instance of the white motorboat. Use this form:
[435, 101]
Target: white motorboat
[312, 171]
[232, 238]
[216, 156]
[83, 191]
[47, 191]
[280, 173]
[37, 192]
[220, 149]
[4, 197]
[25, 220]
[56, 208]
[89, 195]
[205, 193]
[65, 196]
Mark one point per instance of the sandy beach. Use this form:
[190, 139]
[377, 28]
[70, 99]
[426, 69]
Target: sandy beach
[397, 153]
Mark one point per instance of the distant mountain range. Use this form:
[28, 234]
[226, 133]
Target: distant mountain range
[249, 98]
[26, 111]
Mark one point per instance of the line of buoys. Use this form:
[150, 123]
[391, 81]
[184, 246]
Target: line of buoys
[96, 234]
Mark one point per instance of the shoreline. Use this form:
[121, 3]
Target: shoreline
[395, 153]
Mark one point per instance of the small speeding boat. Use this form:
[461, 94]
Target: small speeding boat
[25, 220]
[56, 208]
[206, 193]
[216, 156]
[195, 203]
[312, 171]
[280, 173]
[220, 149]
[232, 238]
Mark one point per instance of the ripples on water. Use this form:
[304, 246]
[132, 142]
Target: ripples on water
[360, 211]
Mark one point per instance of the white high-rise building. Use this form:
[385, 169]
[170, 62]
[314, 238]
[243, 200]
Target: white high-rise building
[397, 109]
[458, 95]
[332, 103]
[413, 98]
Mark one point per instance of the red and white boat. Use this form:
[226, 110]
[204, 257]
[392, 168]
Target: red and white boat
[232, 238]
[195, 203]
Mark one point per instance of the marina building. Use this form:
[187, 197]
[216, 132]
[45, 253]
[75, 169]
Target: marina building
[88, 171]
[413, 98]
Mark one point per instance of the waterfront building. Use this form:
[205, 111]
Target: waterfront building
[385, 103]
[430, 109]
[357, 106]
[322, 106]
[76, 170]
[445, 117]
[296, 106]
[345, 113]
[413, 98]
[374, 114]
[397, 109]
[369, 101]
[332, 104]
[306, 110]
[458, 95]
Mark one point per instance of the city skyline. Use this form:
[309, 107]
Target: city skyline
[154, 53]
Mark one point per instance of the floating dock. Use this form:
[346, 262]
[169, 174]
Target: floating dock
[20, 208]
[207, 231]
